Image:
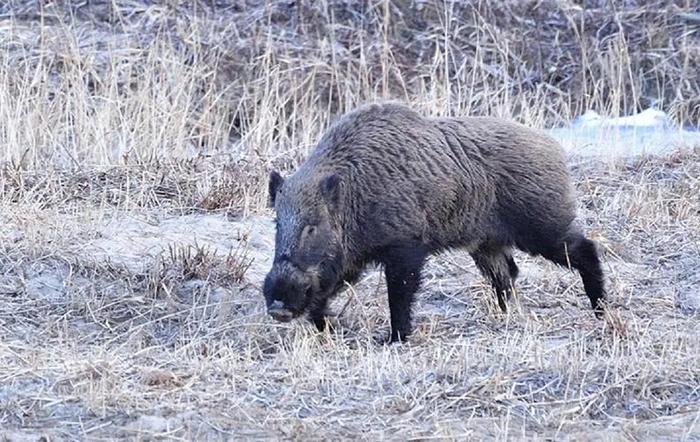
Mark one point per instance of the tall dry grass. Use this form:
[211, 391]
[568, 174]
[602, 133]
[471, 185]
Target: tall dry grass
[127, 82]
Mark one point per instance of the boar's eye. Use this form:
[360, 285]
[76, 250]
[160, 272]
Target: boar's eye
[308, 231]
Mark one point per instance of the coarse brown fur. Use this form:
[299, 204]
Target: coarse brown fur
[388, 185]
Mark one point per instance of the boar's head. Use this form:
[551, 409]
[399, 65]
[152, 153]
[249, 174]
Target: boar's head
[308, 253]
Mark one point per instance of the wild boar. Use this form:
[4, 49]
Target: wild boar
[387, 185]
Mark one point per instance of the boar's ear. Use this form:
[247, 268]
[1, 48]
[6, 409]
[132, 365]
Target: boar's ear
[330, 189]
[273, 186]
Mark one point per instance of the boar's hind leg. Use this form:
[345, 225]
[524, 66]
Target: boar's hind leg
[402, 267]
[579, 252]
[497, 265]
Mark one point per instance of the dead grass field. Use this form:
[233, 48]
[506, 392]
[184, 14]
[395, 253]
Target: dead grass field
[134, 238]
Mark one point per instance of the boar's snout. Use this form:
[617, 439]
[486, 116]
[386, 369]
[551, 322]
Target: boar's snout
[279, 312]
[286, 292]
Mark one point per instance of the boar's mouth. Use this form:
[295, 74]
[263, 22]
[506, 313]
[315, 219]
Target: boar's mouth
[283, 313]
[280, 314]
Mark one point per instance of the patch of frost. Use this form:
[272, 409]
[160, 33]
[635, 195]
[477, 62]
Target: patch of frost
[135, 243]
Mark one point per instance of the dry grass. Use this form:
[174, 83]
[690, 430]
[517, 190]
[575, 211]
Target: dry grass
[130, 321]
[133, 234]
[124, 82]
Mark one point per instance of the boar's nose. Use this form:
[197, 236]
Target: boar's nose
[279, 312]
[276, 305]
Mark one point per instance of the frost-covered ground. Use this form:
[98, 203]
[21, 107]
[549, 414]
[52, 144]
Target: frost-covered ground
[145, 320]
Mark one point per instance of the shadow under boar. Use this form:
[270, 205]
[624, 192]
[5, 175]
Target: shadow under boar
[389, 186]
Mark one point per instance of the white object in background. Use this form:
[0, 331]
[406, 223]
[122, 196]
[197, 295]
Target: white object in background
[646, 118]
[648, 132]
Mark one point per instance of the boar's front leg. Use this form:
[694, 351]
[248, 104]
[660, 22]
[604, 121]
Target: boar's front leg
[402, 267]
[317, 314]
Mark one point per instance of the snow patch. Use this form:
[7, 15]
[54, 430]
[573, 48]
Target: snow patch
[648, 132]
[646, 118]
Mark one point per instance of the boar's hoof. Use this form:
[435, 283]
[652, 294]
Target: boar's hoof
[392, 338]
